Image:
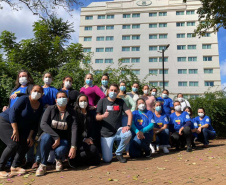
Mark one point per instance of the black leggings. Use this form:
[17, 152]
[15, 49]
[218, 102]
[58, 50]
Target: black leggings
[19, 149]
[183, 139]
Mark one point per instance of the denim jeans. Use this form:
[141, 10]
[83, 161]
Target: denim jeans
[205, 135]
[163, 137]
[107, 144]
[30, 154]
[46, 145]
[138, 146]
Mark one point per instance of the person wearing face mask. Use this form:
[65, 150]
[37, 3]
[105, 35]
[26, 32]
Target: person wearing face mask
[184, 103]
[24, 84]
[161, 128]
[153, 92]
[109, 113]
[18, 125]
[180, 126]
[87, 152]
[167, 103]
[134, 94]
[60, 133]
[72, 94]
[204, 128]
[142, 127]
[104, 82]
[150, 100]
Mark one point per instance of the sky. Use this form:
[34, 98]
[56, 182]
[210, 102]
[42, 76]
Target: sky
[20, 23]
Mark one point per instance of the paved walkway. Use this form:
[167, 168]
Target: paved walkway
[202, 166]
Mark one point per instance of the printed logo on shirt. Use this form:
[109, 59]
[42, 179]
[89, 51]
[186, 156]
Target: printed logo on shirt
[59, 125]
[200, 125]
[187, 117]
[140, 121]
[207, 120]
[159, 124]
[178, 122]
[110, 108]
[16, 92]
[116, 108]
[152, 121]
[166, 119]
[195, 124]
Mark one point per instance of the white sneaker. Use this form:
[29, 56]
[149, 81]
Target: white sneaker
[152, 149]
[168, 146]
[165, 149]
[59, 165]
[157, 148]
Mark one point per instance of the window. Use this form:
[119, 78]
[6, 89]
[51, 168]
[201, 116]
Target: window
[192, 59]
[126, 26]
[194, 96]
[86, 50]
[161, 25]
[153, 25]
[153, 48]
[125, 48]
[111, 27]
[86, 61]
[191, 46]
[153, 59]
[193, 71]
[207, 35]
[153, 14]
[135, 60]
[180, 24]
[182, 71]
[153, 36]
[190, 12]
[98, 61]
[87, 39]
[100, 27]
[101, 17]
[194, 84]
[165, 59]
[181, 35]
[99, 49]
[108, 61]
[126, 15]
[165, 71]
[135, 37]
[100, 39]
[181, 47]
[208, 71]
[89, 18]
[136, 71]
[162, 47]
[135, 26]
[207, 58]
[179, 12]
[181, 59]
[109, 38]
[206, 46]
[190, 23]
[165, 83]
[180, 84]
[209, 83]
[125, 37]
[134, 15]
[88, 28]
[126, 60]
[162, 36]
[110, 16]
[137, 48]
[190, 35]
[162, 13]
[153, 71]
[108, 49]
[153, 84]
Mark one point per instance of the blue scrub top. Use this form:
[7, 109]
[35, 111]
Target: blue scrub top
[49, 95]
[206, 120]
[160, 121]
[167, 103]
[179, 121]
[19, 90]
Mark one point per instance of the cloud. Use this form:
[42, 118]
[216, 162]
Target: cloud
[223, 67]
[223, 86]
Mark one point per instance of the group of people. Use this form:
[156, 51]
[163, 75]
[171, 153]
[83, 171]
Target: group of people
[42, 123]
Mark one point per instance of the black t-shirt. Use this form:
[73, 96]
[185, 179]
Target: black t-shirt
[110, 125]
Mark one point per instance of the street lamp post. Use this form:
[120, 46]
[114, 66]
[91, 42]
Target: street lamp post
[163, 67]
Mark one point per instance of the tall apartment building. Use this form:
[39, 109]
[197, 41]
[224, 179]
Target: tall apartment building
[135, 30]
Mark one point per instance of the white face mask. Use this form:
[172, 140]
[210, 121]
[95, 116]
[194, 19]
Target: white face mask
[177, 108]
[23, 80]
[145, 91]
[141, 107]
[35, 95]
[180, 99]
[201, 114]
[67, 84]
[47, 81]
[189, 113]
[153, 93]
[83, 104]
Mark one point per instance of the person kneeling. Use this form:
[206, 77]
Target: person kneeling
[60, 128]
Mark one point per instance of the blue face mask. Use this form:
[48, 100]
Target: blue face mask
[112, 95]
[104, 82]
[62, 102]
[158, 108]
[164, 95]
[134, 89]
[89, 82]
[123, 88]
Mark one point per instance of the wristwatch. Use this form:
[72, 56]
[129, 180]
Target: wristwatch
[74, 147]
[129, 126]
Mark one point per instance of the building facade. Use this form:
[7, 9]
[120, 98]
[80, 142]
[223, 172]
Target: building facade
[136, 30]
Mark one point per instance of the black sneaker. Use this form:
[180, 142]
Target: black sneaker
[189, 149]
[147, 154]
[27, 165]
[121, 159]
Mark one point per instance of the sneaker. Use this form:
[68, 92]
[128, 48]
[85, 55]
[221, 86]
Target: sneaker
[147, 154]
[59, 165]
[157, 148]
[152, 149]
[35, 165]
[168, 146]
[205, 146]
[165, 149]
[189, 149]
[3, 175]
[16, 171]
[121, 159]
[41, 170]
[27, 165]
